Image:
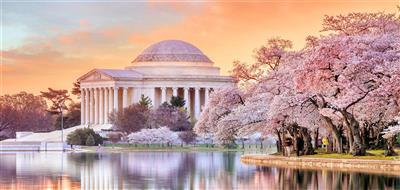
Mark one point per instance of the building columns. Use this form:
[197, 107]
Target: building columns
[106, 102]
[206, 95]
[174, 91]
[197, 102]
[186, 98]
[82, 106]
[124, 97]
[163, 94]
[153, 96]
[87, 119]
[110, 101]
[98, 103]
[101, 106]
[116, 99]
[133, 96]
[96, 106]
[91, 110]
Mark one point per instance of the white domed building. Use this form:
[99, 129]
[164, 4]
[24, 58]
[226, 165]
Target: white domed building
[165, 69]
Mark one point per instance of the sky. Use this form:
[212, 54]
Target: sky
[51, 44]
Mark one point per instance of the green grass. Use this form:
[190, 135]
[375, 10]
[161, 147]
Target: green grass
[371, 155]
[159, 147]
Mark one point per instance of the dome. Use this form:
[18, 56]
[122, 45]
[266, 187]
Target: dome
[172, 51]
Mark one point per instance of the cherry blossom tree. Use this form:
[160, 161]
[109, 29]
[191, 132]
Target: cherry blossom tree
[162, 135]
[220, 104]
[170, 116]
[361, 23]
[345, 84]
[274, 107]
[355, 72]
[393, 130]
[389, 135]
[187, 136]
[268, 57]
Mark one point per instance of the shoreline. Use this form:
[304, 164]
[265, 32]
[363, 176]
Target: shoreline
[388, 167]
[145, 149]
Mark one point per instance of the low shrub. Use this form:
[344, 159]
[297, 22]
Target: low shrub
[84, 136]
[90, 141]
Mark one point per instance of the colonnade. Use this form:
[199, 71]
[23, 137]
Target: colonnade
[97, 103]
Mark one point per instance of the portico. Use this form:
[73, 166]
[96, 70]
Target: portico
[165, 69]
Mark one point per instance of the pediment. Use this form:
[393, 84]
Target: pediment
[110, 74]
[95, 76]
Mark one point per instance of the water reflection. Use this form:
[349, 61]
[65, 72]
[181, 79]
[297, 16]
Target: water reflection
[168, 170]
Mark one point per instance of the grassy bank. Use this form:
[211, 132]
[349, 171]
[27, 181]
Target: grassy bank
[371, 155]
[346, 163]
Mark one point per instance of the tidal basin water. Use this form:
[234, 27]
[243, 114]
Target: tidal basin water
[169, 170]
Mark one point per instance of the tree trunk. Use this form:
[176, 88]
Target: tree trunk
[364, 132]
[316, 134]
[339, 145]
[308, 148]
[350, 141]
[279, 146]
[376, 138]
[334, 145]
[389, 150]
[358, 146]
[330, 145]
[293, 136]
[335, 133]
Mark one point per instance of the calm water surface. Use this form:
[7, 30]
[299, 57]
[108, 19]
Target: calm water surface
[168, 170]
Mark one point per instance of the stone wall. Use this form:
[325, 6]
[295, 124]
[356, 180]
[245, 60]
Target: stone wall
[31, 146]
[348, 165]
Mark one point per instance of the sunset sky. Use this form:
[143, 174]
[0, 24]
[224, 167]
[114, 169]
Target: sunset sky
[52, 44]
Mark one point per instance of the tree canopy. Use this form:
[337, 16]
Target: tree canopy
[58, 99]
[23, 112]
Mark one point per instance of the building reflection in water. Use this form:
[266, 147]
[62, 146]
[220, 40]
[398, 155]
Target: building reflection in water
[168, 170]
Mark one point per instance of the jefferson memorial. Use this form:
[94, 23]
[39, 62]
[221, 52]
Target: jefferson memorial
[164, 69]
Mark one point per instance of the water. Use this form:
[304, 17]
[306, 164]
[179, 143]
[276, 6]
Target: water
[168, 170]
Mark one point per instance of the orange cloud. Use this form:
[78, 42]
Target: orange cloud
[83, 23]
[74, 37]
[113, 32]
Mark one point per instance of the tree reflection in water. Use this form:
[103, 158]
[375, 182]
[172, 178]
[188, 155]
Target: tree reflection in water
[170, 170]
[289, 178]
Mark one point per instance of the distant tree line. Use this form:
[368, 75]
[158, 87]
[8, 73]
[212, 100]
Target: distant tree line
[38, 113]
